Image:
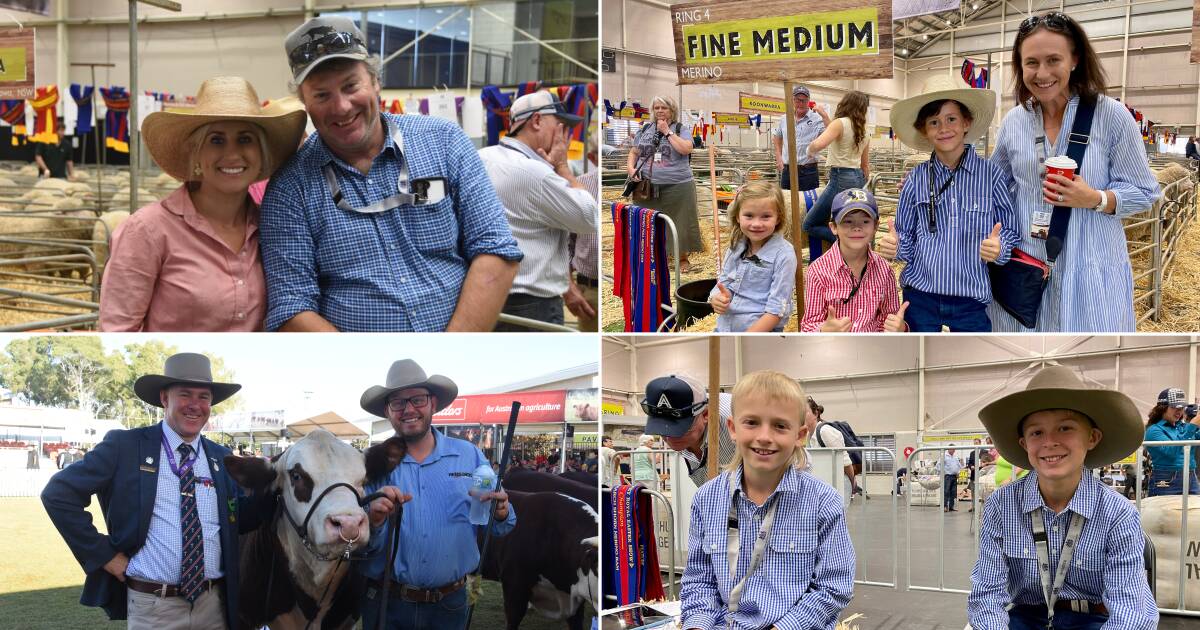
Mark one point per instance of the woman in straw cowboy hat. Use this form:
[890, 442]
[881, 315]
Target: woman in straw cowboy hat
[1060, 535]
[945, 280]
[190, 262]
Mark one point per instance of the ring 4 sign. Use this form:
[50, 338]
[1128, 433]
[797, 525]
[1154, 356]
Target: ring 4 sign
[782, 40]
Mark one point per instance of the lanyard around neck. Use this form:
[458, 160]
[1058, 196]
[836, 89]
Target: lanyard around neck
[1041, 542]
[181, 468]
[733, 545]
[403, 194]
[933, 195]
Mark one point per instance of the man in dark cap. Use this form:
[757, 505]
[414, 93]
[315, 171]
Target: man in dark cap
[677, 408]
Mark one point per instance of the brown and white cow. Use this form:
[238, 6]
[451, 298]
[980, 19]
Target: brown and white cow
[294, 569]
[550, 561]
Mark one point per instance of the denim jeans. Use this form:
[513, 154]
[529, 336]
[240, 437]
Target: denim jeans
[927, 312]
[448, 614]
[1034, 618]
[816, 222]
[807, 177]
[543, 309]
[1171, 482]
[950, 487]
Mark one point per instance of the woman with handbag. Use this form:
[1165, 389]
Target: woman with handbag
[1090, 286]
[660, 165]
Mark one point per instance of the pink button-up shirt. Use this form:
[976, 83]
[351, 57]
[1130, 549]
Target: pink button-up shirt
[170, 271]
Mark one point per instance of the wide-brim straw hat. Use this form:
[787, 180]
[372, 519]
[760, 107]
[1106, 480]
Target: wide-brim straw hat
[981, 102]
[1059, 387]
[405, 374]
[221, 99]
[185, 368]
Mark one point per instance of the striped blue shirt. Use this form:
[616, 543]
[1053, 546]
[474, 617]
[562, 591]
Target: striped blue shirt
[1107, 566]
[399, 270]
[806, 577]
[159, 558]
[1171, 457]
[946, 261]
[437, 539]
[807, 130]
[1091, 288]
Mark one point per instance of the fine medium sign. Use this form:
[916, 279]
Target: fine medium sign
[782, 40]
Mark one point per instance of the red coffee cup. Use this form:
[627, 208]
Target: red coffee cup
[1061, 165]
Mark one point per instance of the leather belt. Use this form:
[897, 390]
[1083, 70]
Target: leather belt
[583, 280]
[420, 595]
[166, 590]
[1082, 606]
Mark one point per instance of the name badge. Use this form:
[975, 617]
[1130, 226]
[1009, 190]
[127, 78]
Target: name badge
[427, 191]
[147, 469]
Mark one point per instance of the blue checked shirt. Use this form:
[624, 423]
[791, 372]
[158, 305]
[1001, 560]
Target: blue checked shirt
[761, 284]
[1107, 566]
[1091, 288]
[159, 558]
[399, 270]
[806, 577]
[437, 540]
[807, 130]
[946, 261]
[1171, 457]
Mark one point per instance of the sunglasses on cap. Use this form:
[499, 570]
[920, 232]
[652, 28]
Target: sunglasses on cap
[333, 43]
[1054, 20]
[667, 411]
[554, 108]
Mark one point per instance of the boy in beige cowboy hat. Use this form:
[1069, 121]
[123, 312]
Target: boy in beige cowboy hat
[437, 540]
[1059, 546]
[190, 262]
[172, 513]
[954, 215]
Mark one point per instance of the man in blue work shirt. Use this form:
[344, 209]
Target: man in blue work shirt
[1165, 424]
[809, 125]
[437, 540]
[379, 222]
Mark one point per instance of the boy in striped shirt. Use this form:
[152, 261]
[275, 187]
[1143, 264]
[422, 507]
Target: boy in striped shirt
[851, 288]
[954, 215]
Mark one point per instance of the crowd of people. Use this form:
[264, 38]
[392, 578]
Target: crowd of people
[376, 222]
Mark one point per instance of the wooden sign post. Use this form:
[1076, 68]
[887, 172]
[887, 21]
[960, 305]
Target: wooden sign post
[721, 41]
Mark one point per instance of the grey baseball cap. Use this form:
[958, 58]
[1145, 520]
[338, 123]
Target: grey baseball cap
[321, 39]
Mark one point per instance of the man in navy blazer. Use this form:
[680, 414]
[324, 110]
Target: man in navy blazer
[147, 568]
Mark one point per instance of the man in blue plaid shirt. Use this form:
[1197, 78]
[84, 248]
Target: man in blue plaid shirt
[379, 222]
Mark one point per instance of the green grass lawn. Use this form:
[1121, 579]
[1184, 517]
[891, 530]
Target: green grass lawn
[40, 581]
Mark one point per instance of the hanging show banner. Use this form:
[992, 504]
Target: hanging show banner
[16, 63]
[759, 104]
[782, 40]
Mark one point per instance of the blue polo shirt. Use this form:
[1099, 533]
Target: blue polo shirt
[1171, 457]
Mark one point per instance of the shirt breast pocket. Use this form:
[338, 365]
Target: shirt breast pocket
[793, 552]
[431, 228]
[1021, 555]
[756, 278]
[976, 217]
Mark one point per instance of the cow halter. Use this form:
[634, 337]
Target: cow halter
[302, 529]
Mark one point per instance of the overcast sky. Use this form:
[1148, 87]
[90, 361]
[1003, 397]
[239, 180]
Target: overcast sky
[306, 374]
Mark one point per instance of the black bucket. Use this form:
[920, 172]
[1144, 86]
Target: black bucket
[691, 301]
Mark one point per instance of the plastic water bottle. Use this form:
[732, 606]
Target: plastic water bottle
[482, 480]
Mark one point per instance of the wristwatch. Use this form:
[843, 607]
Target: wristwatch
[1103, 202]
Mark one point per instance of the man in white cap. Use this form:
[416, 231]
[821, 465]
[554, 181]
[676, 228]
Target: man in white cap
[544, 202]
[437, 540]
[172, 513]
[379, 222]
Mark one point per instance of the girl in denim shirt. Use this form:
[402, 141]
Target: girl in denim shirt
[754, 288]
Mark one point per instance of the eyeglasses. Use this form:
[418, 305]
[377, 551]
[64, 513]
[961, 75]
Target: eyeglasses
[331, 43]
[418, 402]
[1054, 19]
[668, 411]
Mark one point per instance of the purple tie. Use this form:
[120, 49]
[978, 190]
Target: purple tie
[191, 569]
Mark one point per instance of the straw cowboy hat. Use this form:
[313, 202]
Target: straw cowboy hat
[185, 368]
[221, 99]
[981, 102]
[1058, 387]
[405, 374]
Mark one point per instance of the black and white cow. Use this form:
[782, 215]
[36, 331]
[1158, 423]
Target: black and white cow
[293, 570]
[550, 561]
[534, 481]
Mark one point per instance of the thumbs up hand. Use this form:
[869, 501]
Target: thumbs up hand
[720, 301]
[989, 249]
[890, 243]
[833, 323]
[895, 321]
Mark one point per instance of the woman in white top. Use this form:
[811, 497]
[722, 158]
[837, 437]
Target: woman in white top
[846, 138]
